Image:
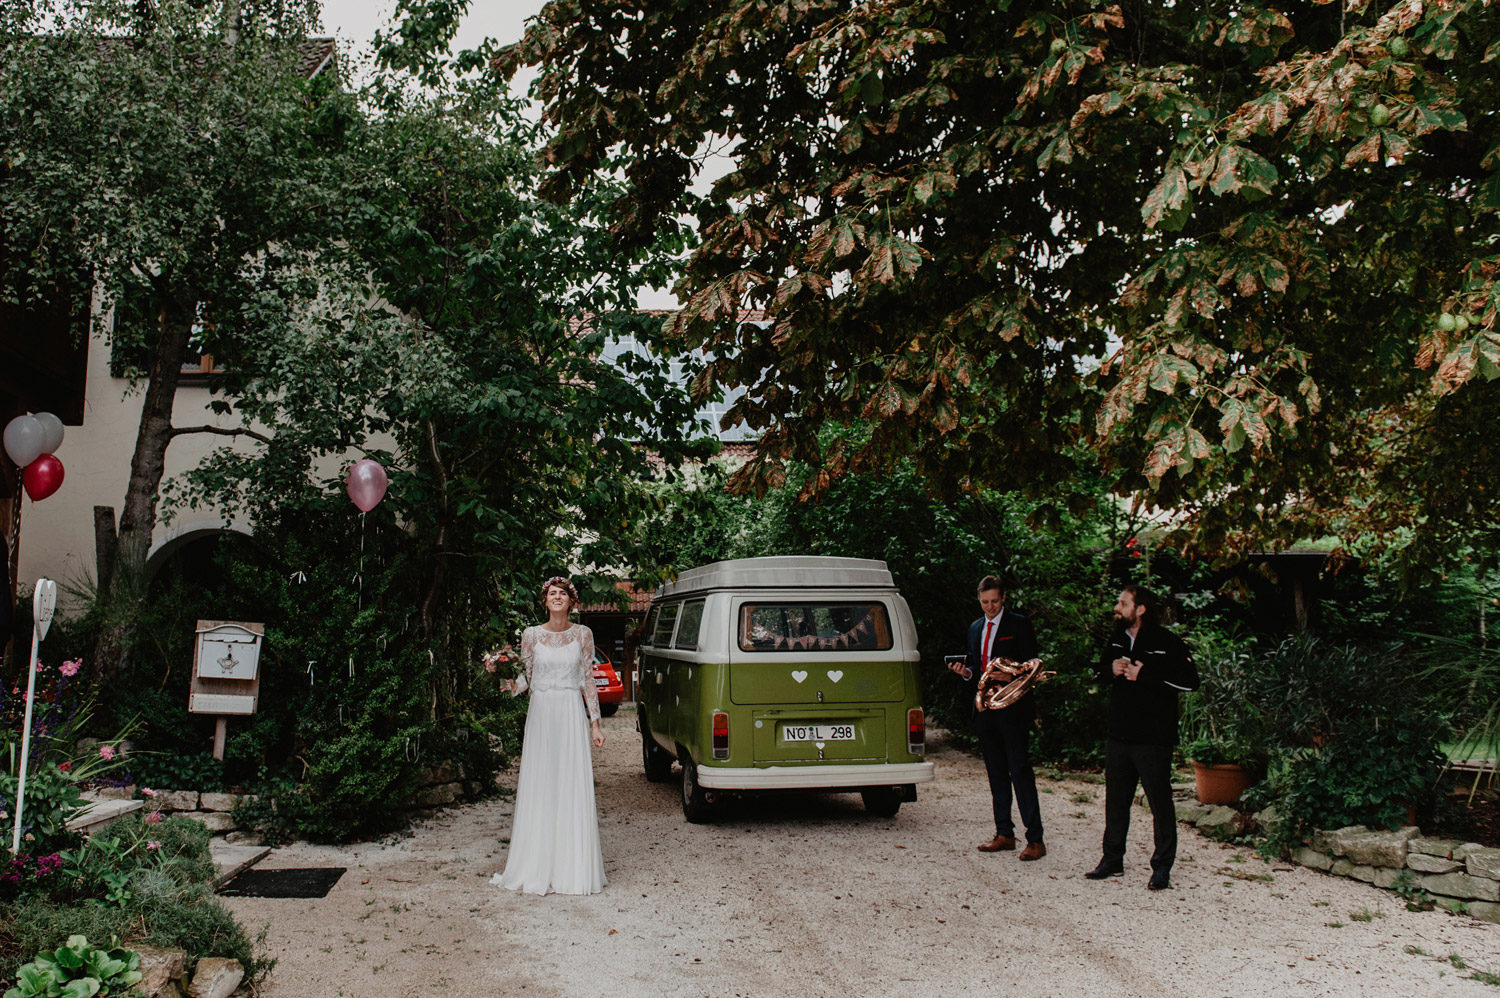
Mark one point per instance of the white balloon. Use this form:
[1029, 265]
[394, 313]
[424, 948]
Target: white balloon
[54, 429]
[24, 439]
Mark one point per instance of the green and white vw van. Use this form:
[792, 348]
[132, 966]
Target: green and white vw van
[790, 673]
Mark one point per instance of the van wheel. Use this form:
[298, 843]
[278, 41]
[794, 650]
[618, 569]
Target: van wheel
[694, 802]
[883, 802]
[657, 763]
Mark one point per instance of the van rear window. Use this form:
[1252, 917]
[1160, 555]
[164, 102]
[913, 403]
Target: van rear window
[814, 626]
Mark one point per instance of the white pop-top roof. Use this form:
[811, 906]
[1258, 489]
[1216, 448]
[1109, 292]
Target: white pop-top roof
[784, 572]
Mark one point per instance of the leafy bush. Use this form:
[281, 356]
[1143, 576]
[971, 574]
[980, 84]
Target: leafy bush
[61, 759]
[191, 919]
[181, 846]
[52, 797]
[1354, 740]
[77, 970]
[167, 770]
[278, 811]
[137, 879]
[1222, 721]
[1372, 776]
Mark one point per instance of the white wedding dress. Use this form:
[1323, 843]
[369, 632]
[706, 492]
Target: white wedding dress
[554, 839]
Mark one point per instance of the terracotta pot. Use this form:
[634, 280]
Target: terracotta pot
[1220, 783]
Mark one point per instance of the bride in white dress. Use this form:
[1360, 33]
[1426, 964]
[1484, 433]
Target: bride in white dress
[554, 839]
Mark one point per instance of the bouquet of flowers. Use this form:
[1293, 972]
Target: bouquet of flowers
[503, 659]
[506, 661]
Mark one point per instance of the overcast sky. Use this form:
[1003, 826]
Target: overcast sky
[354, 21]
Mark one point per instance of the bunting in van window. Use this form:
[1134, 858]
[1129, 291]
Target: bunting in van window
[852, 638]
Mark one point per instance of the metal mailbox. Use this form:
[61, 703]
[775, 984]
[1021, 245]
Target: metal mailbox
[226, 668]
[227, 651]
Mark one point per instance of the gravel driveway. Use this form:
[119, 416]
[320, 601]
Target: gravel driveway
[811, 896]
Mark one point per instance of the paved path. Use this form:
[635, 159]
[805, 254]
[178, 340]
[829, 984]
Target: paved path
[811, 896]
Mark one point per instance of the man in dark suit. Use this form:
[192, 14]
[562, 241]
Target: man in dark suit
[1144, 666]
[1004, 735]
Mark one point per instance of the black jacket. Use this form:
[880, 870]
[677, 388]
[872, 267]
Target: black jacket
[1145, 711]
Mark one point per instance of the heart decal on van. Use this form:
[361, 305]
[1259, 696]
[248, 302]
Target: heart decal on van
[835, 674]
[799, 675]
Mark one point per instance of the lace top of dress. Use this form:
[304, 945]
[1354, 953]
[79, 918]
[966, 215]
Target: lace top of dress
[561, 660]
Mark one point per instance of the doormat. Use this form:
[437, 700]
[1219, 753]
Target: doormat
[300, 882]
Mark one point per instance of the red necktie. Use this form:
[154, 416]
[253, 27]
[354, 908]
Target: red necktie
[984, 649]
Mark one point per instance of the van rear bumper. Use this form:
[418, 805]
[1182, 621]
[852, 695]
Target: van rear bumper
[814, 777]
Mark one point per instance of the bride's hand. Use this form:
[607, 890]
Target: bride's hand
[598, 735]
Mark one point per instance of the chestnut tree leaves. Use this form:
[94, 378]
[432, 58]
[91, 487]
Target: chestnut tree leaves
[1202, 247]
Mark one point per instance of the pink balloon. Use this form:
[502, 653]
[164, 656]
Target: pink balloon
[366, 484]
[42, 477]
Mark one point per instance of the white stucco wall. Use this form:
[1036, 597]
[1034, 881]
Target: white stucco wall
[57, 534]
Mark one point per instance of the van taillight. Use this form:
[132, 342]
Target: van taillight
[721, 735]
[916, 731]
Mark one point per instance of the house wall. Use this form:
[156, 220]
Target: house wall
[57, 534]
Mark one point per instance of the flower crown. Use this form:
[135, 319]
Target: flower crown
[558, 580]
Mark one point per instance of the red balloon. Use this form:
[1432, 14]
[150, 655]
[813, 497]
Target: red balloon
[42, 477]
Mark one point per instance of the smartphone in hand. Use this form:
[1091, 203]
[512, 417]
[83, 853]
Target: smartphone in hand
[958, 664]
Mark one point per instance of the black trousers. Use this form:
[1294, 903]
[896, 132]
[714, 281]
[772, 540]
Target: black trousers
[1004, 742]
[1128, 763]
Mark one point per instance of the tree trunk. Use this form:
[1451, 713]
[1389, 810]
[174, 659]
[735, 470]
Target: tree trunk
[124, 587]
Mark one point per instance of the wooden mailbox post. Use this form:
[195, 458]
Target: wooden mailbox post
[226, 673]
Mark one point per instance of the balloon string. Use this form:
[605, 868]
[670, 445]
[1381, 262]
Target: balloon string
[14, 552]
[360, 604]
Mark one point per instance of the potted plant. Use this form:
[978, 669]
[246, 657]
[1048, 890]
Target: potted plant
[1224, 728]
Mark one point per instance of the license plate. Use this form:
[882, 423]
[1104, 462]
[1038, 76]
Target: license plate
[600, 681]
[817, 732]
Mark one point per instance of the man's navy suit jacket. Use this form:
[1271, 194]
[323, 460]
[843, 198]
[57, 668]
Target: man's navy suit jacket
[1013, 639]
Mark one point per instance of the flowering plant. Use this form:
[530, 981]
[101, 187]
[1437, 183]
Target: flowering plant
[61, 762]
[26, 874]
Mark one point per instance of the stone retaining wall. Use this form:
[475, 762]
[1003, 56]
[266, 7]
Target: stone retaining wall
[1458, 876]
[210, 808]
[440, 786]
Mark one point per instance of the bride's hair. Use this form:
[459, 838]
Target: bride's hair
[559, 581]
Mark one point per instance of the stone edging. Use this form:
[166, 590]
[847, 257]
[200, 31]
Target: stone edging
[1458, 876]
[210, 808]
[441, 785]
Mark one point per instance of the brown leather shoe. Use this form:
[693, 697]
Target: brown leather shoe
[1000, 843]
[1033, 850]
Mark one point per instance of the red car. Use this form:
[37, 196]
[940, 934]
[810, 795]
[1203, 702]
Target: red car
[607, 682]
